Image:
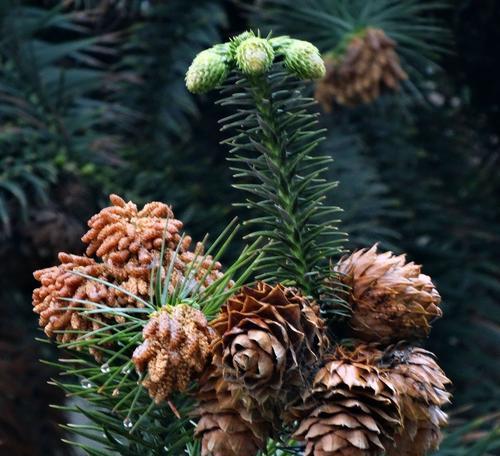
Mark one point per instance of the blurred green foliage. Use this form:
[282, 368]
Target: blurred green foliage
[92, 94]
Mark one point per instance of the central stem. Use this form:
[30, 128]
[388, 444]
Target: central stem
[272, 139]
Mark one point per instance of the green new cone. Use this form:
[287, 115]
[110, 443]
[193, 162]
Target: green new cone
[304, 60]
[208, 70]
[254, 56]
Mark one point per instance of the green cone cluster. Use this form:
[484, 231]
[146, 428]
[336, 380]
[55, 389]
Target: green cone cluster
[253, 56]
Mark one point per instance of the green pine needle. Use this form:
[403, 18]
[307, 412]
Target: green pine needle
[273, 156]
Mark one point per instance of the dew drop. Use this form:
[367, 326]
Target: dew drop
[127, 423]
[105, 368]
[127, 369]
[86, 383]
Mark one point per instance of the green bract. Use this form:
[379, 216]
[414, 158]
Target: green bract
[304, 60]
[208, 70]
[254, 56]
[235, 41]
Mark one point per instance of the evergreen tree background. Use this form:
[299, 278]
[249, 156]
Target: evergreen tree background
[92, 101]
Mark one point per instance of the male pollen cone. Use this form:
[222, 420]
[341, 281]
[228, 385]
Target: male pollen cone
[120, 233]
[390, 299]
[175, 350]
[127, 244]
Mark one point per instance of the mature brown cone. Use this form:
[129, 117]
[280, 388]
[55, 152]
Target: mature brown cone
[369, 64]
[120, 232]
[390, 299]
[271, 338]
[228, 425]
[351, 408]
[421, 384]
[175, 350]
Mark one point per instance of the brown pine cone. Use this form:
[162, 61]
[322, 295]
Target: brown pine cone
[120, 232]
[369, 64]
[228, 425]
[390, 299]
[351, 408]
[421, 384]
[175, 350]
[271, 338]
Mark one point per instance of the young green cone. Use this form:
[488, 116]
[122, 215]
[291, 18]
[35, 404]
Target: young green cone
[254, 55]
[304, 60]
[208, 70]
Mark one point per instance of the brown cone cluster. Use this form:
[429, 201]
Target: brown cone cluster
[175, 350]
[391, 300]
[368, 65]
[352, 407]
[120, 234]
[229, 424]
[421, 385]
[271, 336]
[127, 244]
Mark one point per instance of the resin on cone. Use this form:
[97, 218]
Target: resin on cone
[271, 336]
[175, 350]
[391, 299]
[421, 385]
[352, 407]
[229, 425]
[369, 65]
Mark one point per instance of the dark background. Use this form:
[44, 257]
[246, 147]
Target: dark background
[421, 178]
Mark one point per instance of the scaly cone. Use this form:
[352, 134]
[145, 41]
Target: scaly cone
[352, 407]
[358, 75]
[271, 337]
[421, 385]
[391, 300]
[228, 425]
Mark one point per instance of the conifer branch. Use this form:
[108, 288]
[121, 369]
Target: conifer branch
[272, 146]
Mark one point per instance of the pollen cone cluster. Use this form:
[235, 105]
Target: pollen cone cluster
[175, 350]
[352, 407]
[421, 384]
[229, 424]
[391, 300]
[270, 338]
[368, 65]
[121, 234]
[126, 244]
